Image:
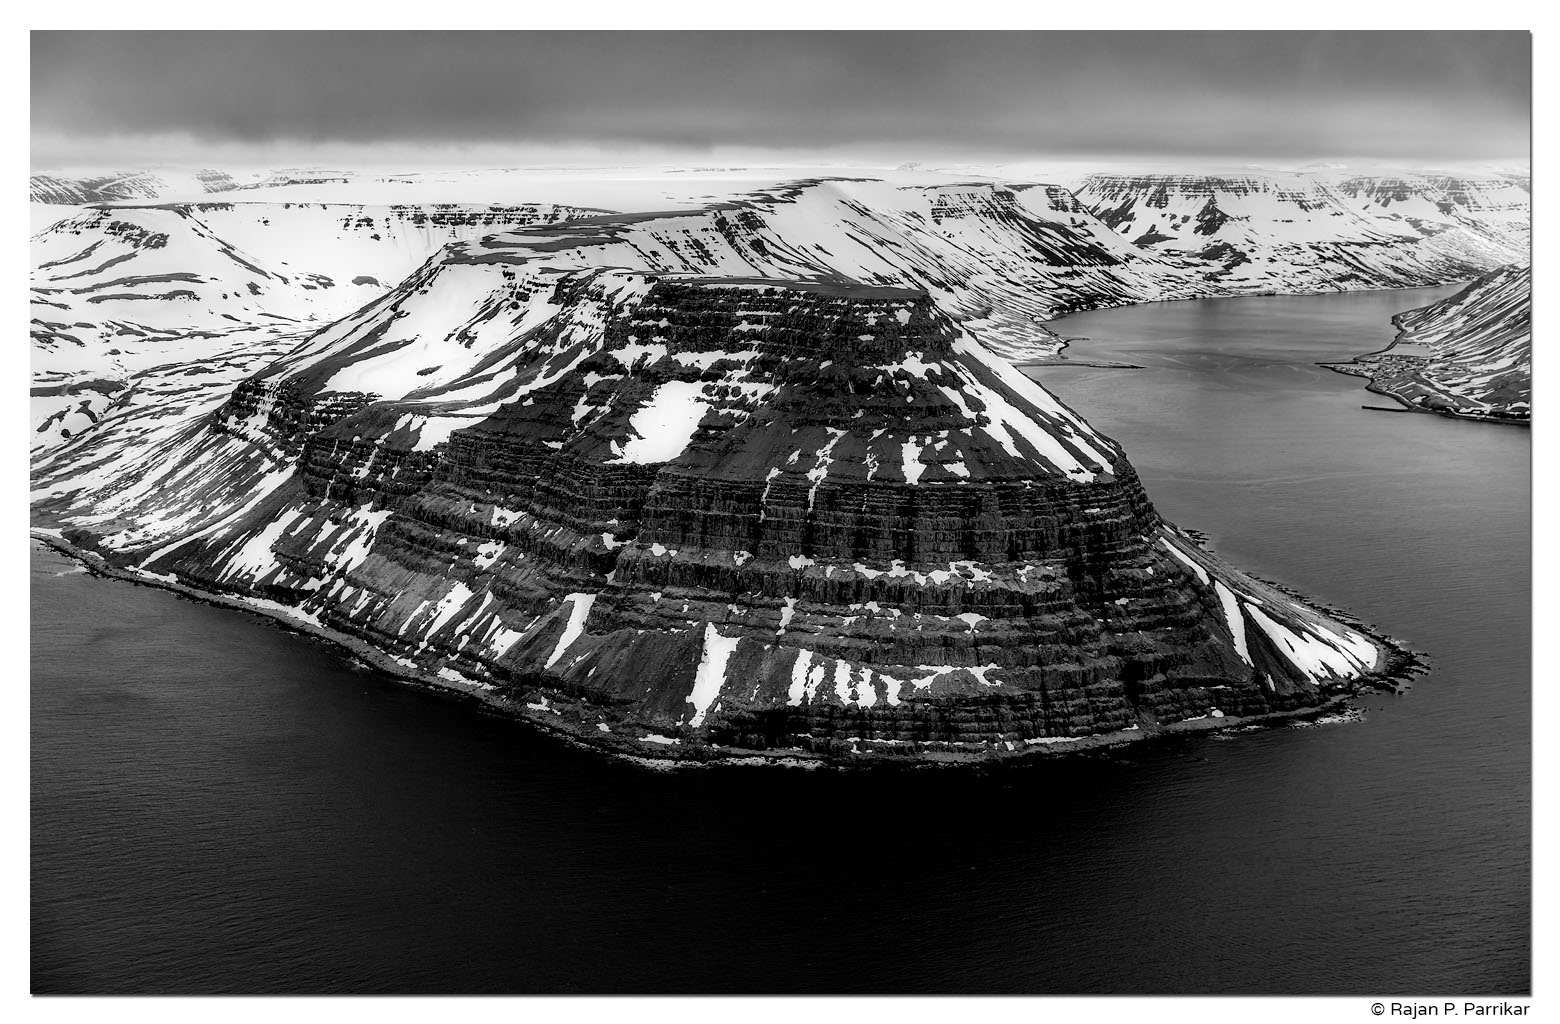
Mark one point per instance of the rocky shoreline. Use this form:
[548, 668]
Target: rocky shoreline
[1380, 380]
[548, 709]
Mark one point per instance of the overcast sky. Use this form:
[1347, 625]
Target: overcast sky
[293, 97]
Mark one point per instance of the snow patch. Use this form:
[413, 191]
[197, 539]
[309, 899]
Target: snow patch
[575, 626]
[1200, 572]
[666, 424]
[1232, 618]
[711, 674]
[799, 678]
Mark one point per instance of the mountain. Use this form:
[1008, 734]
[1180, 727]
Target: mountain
[242, 261]
[117, 290]
[753, 475]
[676, 484]
[140, 186]
[1317, 231]
[164, 185]
[120, 288]
[1487, 216]
[1469, 355]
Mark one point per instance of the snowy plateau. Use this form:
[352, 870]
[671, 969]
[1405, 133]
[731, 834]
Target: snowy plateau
[712, 466]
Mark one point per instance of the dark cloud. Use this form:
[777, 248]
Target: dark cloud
[1258, 95]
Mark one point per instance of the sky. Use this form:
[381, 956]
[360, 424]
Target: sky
[257, 98]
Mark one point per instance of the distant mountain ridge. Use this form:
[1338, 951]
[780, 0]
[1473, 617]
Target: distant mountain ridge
[135, 187]
[1318, 231]
[120, 286]
[168, 185]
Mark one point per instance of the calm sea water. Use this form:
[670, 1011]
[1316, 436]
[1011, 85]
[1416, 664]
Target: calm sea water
[222, 806]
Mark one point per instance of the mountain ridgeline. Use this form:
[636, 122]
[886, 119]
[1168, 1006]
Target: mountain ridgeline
[140, 186]
[119, 289]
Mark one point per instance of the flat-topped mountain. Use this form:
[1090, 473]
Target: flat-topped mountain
[1317, 232]
[699, 514]
[757, 475]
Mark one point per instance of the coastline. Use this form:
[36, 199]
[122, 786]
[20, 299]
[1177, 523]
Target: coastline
[662, 753]
[1360, 367]
[1362, 370]
[1060, 357]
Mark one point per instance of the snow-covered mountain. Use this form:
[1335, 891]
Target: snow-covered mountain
[139, 186]
[1490, 214]
[179, 185]
[1317, 231]
[748, 472]
[1468, 355]
[119, 289]
[671, 511]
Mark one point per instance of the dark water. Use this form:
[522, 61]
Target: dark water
[218, 805]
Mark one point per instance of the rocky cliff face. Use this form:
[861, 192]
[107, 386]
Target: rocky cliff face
[680, 513]
[1469, 355]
